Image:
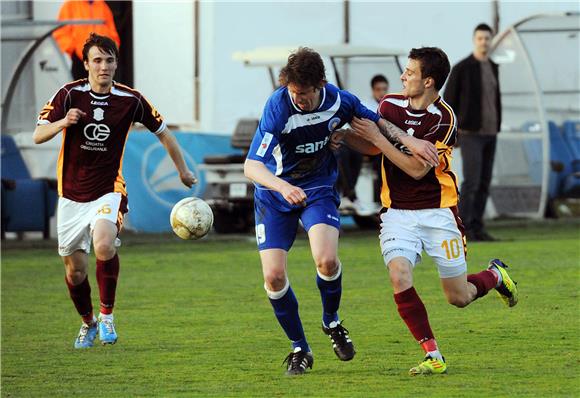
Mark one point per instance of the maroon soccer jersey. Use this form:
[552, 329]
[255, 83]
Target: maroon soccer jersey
[438, 188]
[91, 156]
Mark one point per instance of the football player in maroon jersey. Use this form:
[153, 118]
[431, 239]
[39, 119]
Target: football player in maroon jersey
[420, 202]
[94, 116]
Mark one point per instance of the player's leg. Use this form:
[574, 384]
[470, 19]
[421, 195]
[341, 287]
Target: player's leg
[285, 306]
[104, 236]
[275, 233]
[400, 265]
[282, 296]
[324, 247]
[105, 225]
[464, 289]
[76, 279]
[401, 248]
[413, 312]
[322, 222]
[445, 243]
[73, 247]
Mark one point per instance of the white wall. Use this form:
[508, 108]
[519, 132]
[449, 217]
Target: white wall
[163, 57]
[416, 24]
[228, 89]
[46, 10]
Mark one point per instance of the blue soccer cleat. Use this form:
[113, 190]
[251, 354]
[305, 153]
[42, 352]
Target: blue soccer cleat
[107, 333]
[87, 335]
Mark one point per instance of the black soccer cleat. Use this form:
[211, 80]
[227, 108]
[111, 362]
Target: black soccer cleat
[342, 344]
[298, 361]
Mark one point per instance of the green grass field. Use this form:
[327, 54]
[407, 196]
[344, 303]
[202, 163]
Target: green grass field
[193, 320]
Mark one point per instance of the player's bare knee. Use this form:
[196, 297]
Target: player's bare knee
[401, 281]
[275, 280]
[75, 276]
[104, 250]
[327, 266]
[400, 274]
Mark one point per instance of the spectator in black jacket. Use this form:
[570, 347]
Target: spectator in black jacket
[473, 92]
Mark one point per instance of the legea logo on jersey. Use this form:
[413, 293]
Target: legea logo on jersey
[97, 132]
[312, 146]
[159, 176]
[333, 123]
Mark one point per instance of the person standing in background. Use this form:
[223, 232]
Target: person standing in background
[473, 92]
[71, 38]
[380, 88]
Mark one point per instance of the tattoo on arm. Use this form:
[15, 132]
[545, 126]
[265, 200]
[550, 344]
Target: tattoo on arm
[392, 132]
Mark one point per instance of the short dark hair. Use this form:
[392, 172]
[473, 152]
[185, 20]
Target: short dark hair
[104, 43]
[483, 26]
[304, 68]
[378, 79]
[434, 64]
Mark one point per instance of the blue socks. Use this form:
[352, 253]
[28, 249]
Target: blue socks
[330, 291]
[285, 308]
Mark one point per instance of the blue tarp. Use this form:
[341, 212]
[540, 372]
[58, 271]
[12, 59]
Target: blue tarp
[153, 184]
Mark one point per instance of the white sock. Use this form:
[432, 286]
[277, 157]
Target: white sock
[106, 317]
[498, 274]
[332, 324]
[435, 355]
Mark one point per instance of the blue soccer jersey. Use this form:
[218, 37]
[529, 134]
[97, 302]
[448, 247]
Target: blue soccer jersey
[294, 145]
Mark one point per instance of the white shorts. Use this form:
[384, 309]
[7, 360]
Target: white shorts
[76, 221]
[406, 233]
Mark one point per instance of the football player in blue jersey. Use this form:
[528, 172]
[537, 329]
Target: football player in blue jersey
[294, 171]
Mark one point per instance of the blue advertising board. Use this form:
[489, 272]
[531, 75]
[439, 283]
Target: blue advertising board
[153, 184]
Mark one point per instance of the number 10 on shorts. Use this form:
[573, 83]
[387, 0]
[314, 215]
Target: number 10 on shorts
[452, 248]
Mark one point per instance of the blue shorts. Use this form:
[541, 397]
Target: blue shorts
[277, 223]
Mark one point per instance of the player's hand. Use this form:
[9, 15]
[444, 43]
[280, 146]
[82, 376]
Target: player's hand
[294, 195]
[337, 140]
[366, 129]
[423, 150]
[187, 178]
[73, 116]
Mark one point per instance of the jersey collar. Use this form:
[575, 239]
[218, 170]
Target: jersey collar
[99, 96]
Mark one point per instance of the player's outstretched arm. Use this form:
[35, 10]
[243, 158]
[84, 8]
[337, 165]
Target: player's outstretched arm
[258, 172]
[347, 137]
[424, 150]
[367, 129]
[46, 132]
[170, 143]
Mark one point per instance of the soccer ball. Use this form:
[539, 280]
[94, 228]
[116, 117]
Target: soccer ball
[191, 218]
